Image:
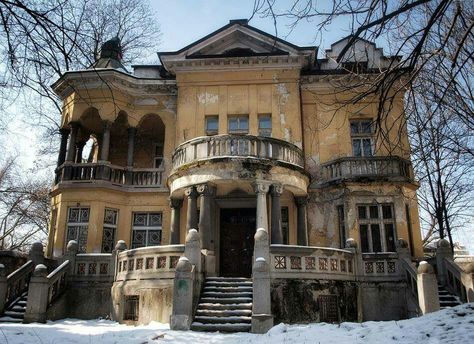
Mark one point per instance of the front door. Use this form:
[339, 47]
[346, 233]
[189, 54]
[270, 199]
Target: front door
[237, 238]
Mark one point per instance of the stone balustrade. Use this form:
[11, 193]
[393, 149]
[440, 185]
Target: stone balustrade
[93, 266]
[454, 280]
[366, 167]
[148, 262]
[380, 265]
[105, 172]
[57, 281]
[17, 282]
[237, 146]
[410, 274]
[307, 262]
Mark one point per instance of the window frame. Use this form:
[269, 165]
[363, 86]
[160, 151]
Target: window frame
[239, 130]
[211, 132]
[265, 132]
[157, 157]
[147, 228]
[81, 227]
[110, 226]
[360, 136]
[371, 223]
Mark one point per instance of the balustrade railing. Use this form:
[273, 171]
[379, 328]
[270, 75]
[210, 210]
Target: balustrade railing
[17, 282]
[93, 266]
[454, 279]
[148, 262]
[57, 281]
[243, 146]
[410, 275]
[288, 261]
[369, 167]
[117, 175]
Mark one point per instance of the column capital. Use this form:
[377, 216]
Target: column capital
[206, 189]
[176, 202]
[74, 125]
[276, 190]
[106, 124]
[262, 186]
[301, 200]
[131, 130]
[191, 192]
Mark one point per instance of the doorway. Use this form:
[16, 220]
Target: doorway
[237, 230]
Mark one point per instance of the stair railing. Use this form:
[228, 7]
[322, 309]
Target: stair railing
[17, 282]
[410, 276]
[57, 281]
[454, 279]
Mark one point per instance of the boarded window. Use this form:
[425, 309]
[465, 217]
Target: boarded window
[131, 307]
[328, 311]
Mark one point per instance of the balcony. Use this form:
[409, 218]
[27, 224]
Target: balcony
[222, 147]
[89, 173]
[370, 168]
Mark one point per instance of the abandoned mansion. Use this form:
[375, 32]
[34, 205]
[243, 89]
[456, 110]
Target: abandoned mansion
[233, 186]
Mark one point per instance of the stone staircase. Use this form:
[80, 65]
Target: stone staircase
[446, 299]
[225, 305]
[16, 312]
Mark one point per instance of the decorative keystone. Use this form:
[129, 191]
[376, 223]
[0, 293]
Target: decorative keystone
[121, 245]
[425, 268]
[72, 246]
[40, 271]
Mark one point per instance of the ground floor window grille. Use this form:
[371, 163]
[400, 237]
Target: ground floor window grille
[110, 229]
[328, 311]
[146, 230]
[377, 227]
[77, 225]
[132, 303]
[285, 224]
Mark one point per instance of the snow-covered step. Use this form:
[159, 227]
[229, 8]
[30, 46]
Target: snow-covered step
[228, 279]
[228, 289]
[7, 319]
[228, 284]
[226, 294]
[222, 320]
[13, 314]
[224, 312]
[226, 299]
[244, 327]
[220, 306]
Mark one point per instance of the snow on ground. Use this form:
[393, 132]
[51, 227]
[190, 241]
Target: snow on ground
[455, 325]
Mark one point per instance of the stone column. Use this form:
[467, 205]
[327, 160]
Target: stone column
[71, 148]
[3, 288]
[261, 189]
[301, 229]
[104, 152]
[205, 217]
[427, 285]
[191, 221]
[63, 147]
[443, 251]
[175, 204]
[37, 296]
[277, 233]
[79, 150]
[131, 145]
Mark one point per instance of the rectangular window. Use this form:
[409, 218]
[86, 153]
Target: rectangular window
[238, 125]
[362, 138]
[377, 228]
[146, 229]
[131, 309]
[341, 225]
[110, 229]
[285, 228]
[265, 125]
[212, 125]
[158, 156]
[77, 225]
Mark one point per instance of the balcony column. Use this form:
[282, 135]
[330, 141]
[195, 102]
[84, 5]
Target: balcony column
[63, 147]
[71, 148]
[207, 195]
[175, 204]
[277, 234]
[131, 145]
[191, 220]
[261, 189]
[104, 151]
[79, 150]
[301, 229]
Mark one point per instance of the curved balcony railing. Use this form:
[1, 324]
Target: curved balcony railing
[366, 167]
[121, 176]
[237, 146]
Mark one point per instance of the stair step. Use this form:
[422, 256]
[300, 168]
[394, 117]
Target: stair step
[229, 279]
[226, 294]
[17, 308]
[7, 319]
[222, 320]
[228, 289]
[236, 327]
[224, 312]
[21, 303]
[13, 314]
[221, 306]
[227, 284]
[226, 300]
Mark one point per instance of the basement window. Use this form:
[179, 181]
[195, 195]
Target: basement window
[132, 303]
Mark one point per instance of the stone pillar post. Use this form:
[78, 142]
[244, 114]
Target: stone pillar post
[183, 293]
[3, 288]
[262, 319]
[131, 131]
[205, 217]
[63, 147]
[468, 281]
[71, 251]
[191, 220]
[261, 189]
[71, 148]
[443, 251]
[37, 296]
[277, 233]
[192, 248]
[301, 228]
[36, 253]
[119, 247]
[175, 204]
[104, 152]
[427, 285]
